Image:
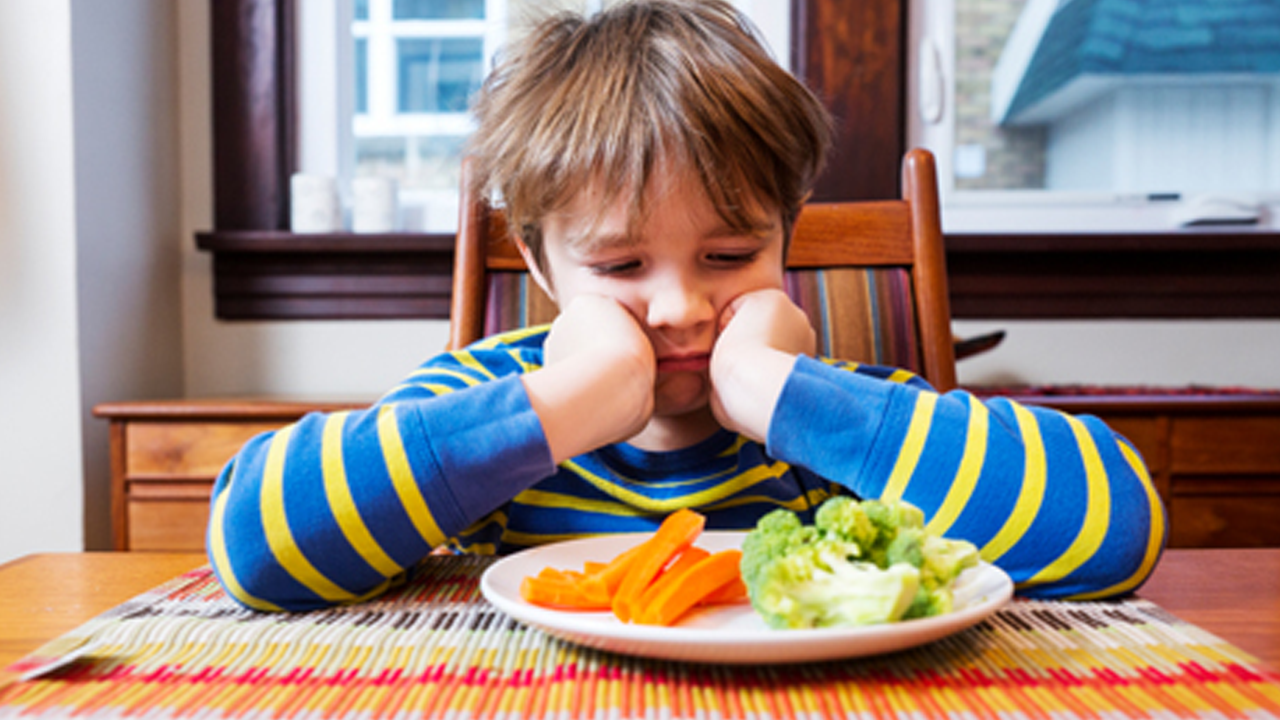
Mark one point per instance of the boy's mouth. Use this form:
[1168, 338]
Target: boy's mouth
[694, 362]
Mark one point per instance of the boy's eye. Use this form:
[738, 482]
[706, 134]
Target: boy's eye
[616, 268]
[732, 258]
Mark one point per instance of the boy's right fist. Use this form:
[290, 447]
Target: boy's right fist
[596, 383]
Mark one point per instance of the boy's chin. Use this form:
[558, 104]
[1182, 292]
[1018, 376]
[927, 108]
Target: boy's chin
[681, 393]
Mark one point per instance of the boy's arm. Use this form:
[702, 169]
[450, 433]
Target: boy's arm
[1061, 503]
[329, 509]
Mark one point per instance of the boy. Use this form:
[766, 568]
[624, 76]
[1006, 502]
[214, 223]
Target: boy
[653, 160]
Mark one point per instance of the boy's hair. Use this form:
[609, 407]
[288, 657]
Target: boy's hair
[598, 102]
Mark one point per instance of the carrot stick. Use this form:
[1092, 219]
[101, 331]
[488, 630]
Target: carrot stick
[677, 532]
[557, 593]
[601, 585]
[731, 593]
[705, 577]
[672, 574]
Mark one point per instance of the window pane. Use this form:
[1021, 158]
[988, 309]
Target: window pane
[362, 76]
[362, 9]
[1129, 97]
[417, 162]
[439, 10]
[439, 74]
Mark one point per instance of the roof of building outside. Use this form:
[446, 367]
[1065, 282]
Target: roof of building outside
[1150, 37]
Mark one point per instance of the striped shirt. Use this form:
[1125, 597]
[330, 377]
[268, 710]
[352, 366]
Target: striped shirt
[335, 507]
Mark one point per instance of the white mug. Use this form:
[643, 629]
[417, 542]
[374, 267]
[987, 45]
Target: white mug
[313, 204]
[376, 206]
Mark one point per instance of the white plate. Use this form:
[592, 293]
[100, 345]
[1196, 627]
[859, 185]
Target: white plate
[727, 634]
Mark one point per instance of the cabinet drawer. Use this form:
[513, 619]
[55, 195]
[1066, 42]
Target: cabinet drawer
[1225, 521]
[177, 450]
[168, 525]
[1230, 445]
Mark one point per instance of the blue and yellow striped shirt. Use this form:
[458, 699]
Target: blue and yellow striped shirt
[335, 507]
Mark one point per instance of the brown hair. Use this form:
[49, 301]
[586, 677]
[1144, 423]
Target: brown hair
[605, 98]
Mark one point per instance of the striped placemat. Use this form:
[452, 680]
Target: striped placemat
[434, 647]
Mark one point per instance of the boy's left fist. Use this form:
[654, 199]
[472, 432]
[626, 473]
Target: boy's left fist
[761, 334]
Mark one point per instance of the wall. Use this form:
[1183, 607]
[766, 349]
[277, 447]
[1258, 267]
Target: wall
[88, 283]
[40, 497]
[126, 214]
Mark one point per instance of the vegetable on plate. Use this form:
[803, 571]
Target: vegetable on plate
[860, 563]
[656, 582]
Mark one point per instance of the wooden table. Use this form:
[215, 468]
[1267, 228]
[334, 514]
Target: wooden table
[1234, 593]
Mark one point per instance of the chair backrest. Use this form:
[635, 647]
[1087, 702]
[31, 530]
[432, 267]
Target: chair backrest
[871, 276]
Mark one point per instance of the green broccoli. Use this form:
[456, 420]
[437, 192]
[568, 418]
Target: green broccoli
[860, 563]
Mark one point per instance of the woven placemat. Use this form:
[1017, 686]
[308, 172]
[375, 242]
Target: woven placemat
[434, 647]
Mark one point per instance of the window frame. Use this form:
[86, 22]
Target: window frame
[852, 52]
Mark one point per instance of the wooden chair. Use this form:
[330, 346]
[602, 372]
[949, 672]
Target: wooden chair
[871, 276]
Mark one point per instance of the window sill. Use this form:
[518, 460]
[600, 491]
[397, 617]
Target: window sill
[286, 276]
[279, 275]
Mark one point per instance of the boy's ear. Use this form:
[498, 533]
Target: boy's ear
[535, 270]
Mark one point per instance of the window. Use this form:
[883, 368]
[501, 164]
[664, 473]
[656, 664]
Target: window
[390, 82]
[1120, 115]
[417, 62]
[385, 86]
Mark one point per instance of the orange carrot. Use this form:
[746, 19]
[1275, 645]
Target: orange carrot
[601, 585]
[672, 574]
[731, 593]
[557, 593]
[677, 532]
[674, 598]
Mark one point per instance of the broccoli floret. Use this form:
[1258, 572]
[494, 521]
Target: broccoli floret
[928, 603]
[845, 518]
[859, 563]
[814, 587]
[944, 560]
[907, 547]
[773, 536]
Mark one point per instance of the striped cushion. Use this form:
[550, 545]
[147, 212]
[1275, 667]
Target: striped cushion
[859, 314]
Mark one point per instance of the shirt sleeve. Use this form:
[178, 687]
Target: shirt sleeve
[1062, 503]
[335, 507]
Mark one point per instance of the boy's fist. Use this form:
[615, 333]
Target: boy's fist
[596, 383]
[762, 333]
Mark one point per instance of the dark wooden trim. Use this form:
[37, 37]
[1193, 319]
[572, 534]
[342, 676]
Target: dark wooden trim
[1185, 275]
[279, 275]
[253, 112]
[852, 54]
[283, 241]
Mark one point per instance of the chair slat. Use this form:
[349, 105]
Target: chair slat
[862, 234]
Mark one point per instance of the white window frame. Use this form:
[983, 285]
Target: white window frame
[931, 72]
[325, 70]
[327, 122]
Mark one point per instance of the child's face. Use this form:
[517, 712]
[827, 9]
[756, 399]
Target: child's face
[675, 270]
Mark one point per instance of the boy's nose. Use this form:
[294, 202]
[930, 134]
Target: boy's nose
[680, 305]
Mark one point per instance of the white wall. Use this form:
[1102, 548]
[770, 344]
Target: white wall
[1130, 352]
[126, 215]
[88, 266]
[40, 491]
